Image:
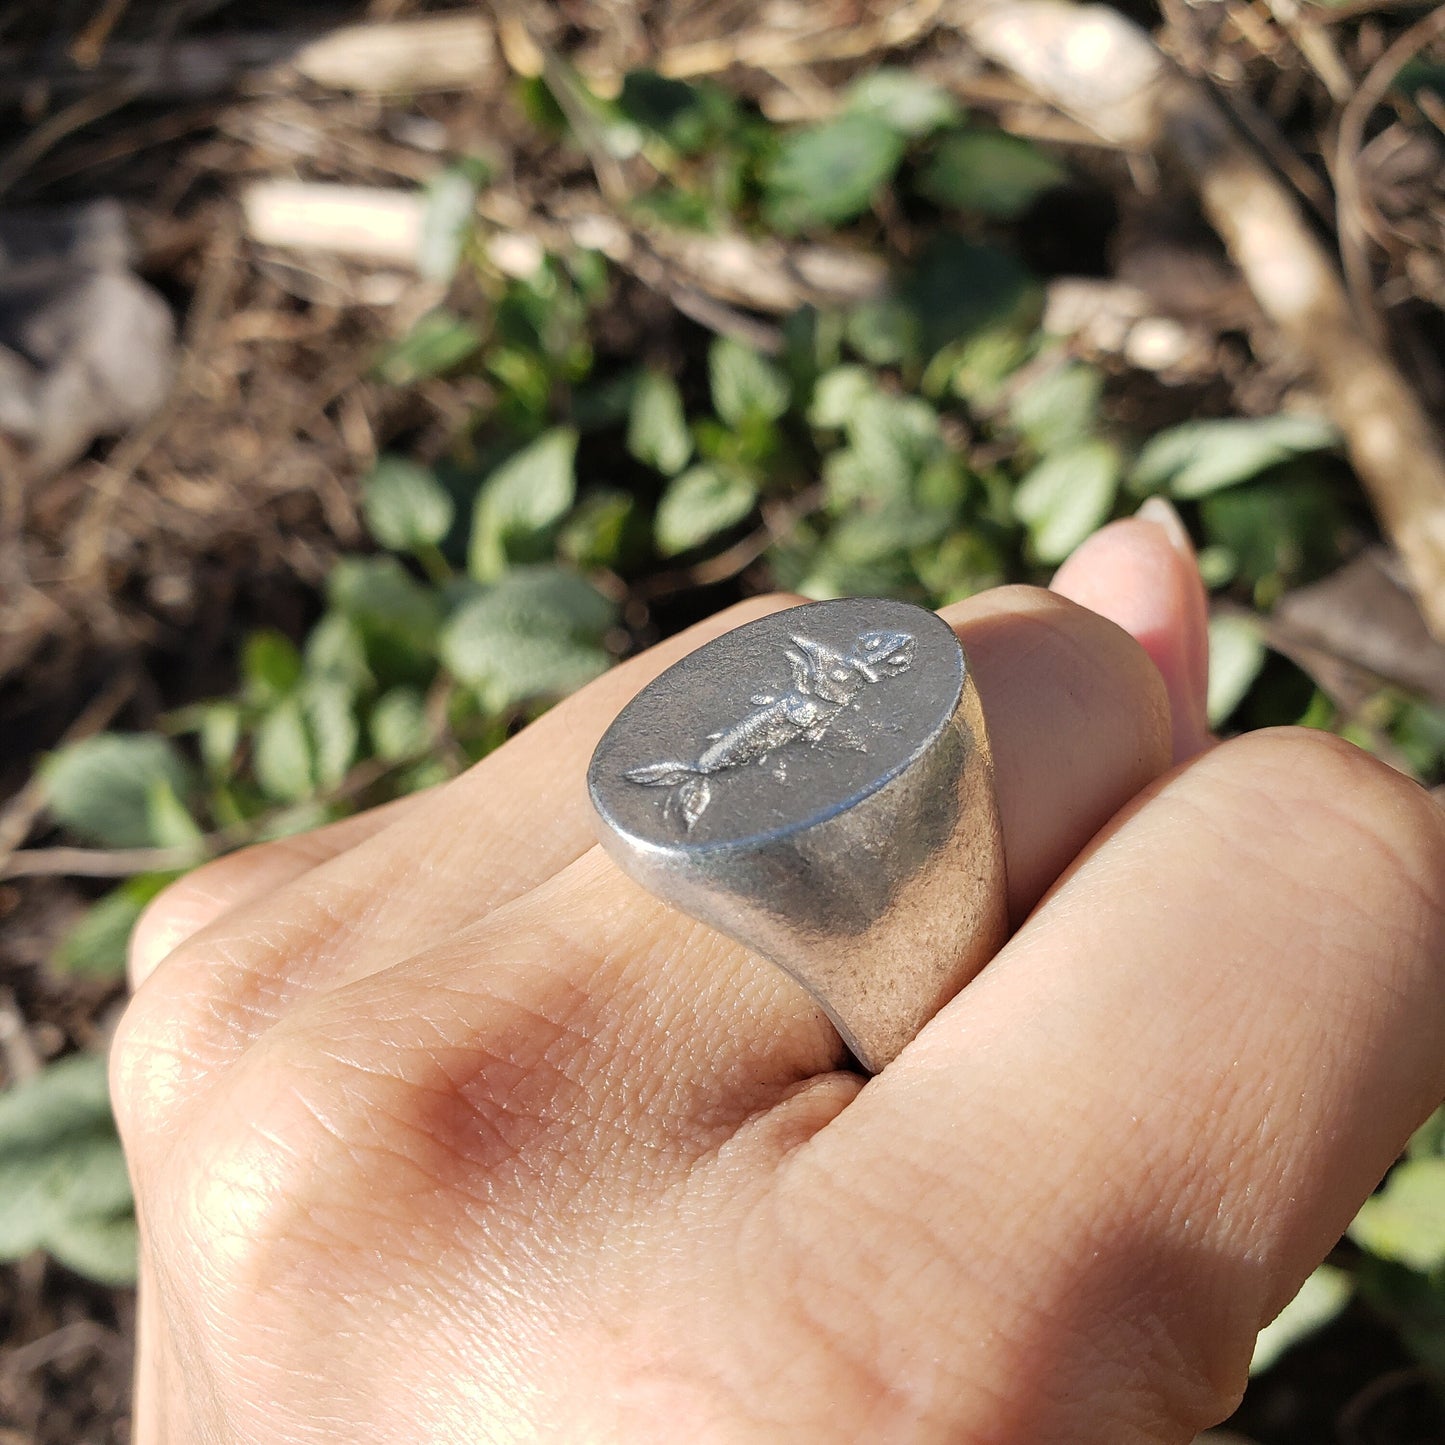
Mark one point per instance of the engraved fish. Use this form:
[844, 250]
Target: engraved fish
[825, 683]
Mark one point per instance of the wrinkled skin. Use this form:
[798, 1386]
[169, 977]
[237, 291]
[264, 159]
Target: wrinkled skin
[443, 1131]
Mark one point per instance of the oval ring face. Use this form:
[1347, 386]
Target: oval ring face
[778, 725]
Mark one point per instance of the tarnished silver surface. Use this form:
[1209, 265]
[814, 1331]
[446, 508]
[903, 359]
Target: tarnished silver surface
[817, 785]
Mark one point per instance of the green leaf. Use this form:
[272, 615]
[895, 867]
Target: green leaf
[96, 946]
[406, 507]
[961, 290]
[61, 1164]
[67, 1096]
[902, 100]
[1067, 496]
[1236, 655]
[398, 725]
[298, 818]
[219, 736]
[270, 665]
[168, 821]
[835, 571]
[535, 633]
[896, 486]
[1201, 457]
[1280, 530]
[395, 616]
[105, 1249]
[829, 173]
[746, 387]
[606, 402]
[602, 531]
[1405, 1221]
[976, 369]
[990, 173]
[892, 441]
[681, 114]
[1059, 406]
[1428, 1141]
[1322, 1296]
[78, 1174]
[699, 504]
[521, 499]
[964, 563]
[837, 394]
[281, 754]
[885, 332]
[100, 788]
[439, 342]
[657, 433]
[446, 221]
[336, 650]
[335, 732]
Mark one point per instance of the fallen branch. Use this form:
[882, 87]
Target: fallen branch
[362, 222]
[385, 225]
[1107, 73]
[1353, 232]
[434, 52]
[99, 862]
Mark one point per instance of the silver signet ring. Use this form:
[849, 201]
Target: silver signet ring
[818, 786]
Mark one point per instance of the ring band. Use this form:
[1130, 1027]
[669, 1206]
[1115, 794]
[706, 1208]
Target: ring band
[818, 785]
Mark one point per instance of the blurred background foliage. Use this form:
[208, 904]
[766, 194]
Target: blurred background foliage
[931, 439]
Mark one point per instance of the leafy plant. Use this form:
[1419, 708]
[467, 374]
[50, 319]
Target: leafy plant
[63, 1181]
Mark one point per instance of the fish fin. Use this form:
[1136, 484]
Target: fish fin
[801, 672]
[660, 775]
[758, 699]
[692, 798]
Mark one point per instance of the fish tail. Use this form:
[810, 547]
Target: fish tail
[661, 775]
[691, 799]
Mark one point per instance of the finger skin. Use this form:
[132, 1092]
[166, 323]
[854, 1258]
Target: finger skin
[1078, 722]
[1142, 574]
[1162, 1103]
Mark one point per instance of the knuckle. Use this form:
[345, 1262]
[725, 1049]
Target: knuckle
[180, 1027]
[142, 1074]
[173, 914]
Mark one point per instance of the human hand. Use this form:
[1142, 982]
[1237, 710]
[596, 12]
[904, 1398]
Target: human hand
[443, 1131]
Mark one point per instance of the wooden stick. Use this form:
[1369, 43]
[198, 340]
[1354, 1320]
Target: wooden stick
[453, 51]
[367, 222]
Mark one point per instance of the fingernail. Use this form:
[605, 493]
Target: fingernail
[1160, 511]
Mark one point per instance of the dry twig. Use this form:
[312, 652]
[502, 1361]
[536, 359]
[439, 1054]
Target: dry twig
[1353, 231]
[451, 51]
[1101, 68]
